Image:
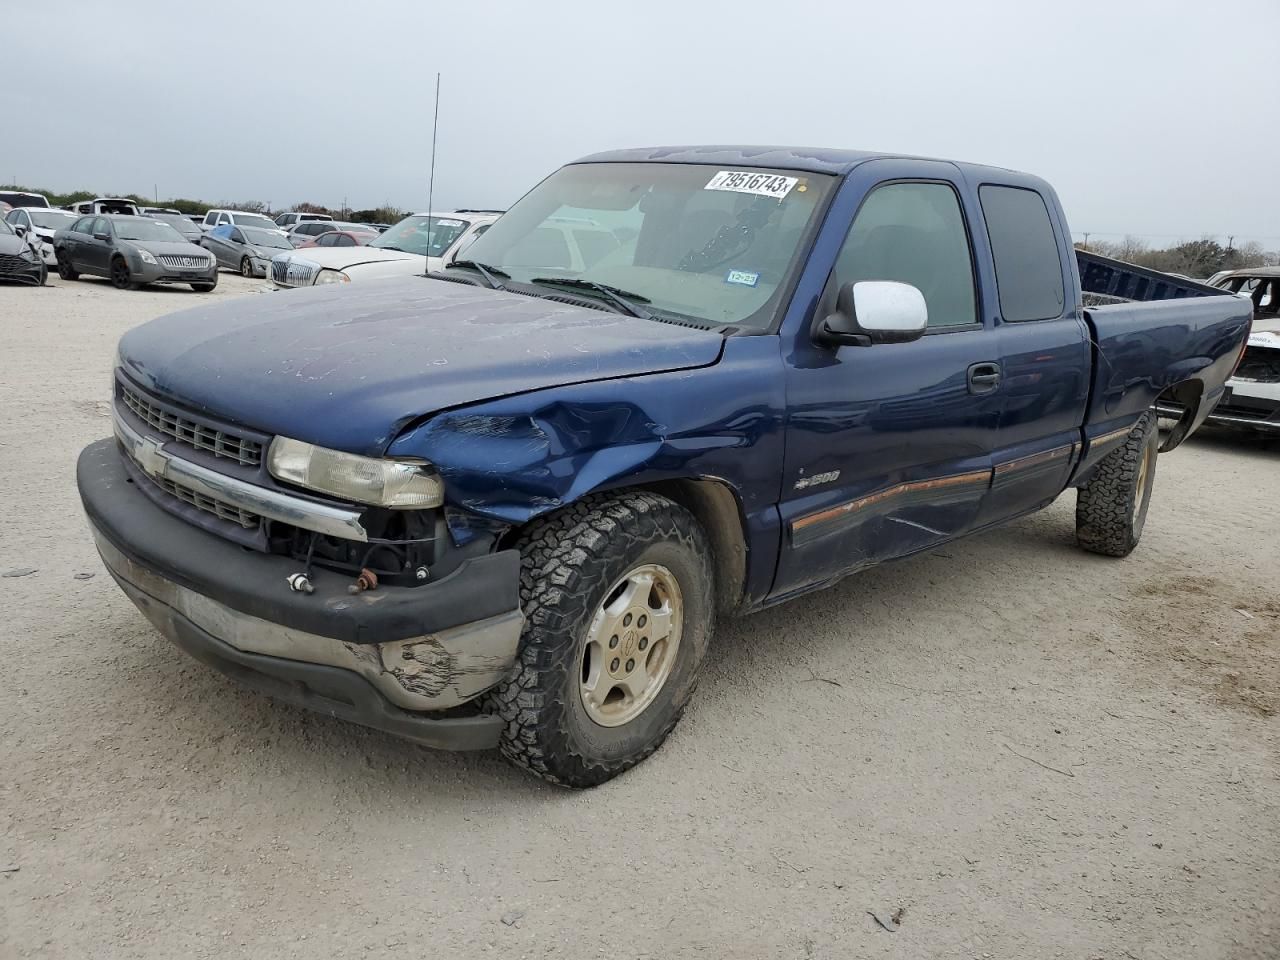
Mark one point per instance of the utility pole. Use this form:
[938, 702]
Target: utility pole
[1086, 238]
[1231, 242]
[156, 188]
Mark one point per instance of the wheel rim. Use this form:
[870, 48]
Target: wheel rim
[1140, 494]
[120, 274]
[245, 268]
[631, 645]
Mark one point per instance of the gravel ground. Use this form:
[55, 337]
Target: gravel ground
[1031, 751]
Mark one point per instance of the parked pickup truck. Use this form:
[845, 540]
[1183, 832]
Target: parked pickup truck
[505, 504]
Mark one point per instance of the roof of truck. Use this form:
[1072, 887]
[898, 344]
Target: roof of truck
[808, 159]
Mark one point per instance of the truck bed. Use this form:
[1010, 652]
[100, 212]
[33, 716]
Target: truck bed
[1156, 335]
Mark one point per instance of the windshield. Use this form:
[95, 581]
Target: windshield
[51, 219]
[699, 241]
[411, 235]
[254, 220]
[265, 238]
[179, 223]
[147, 230]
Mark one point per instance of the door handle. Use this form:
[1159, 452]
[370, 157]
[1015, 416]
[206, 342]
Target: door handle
[983, 377]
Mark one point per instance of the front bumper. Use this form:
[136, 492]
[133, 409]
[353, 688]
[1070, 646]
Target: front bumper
[387, 659]
[25, 271]
[163, 273]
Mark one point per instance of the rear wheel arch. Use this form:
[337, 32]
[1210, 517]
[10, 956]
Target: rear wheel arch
[1186, 394]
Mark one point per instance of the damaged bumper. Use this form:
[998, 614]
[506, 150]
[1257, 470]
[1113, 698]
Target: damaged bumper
[389, 659]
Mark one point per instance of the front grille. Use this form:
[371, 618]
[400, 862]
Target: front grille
[293, 273]
[188, 431]
[10, 264]
[173, 260]
[1260, 364]
[223, 511]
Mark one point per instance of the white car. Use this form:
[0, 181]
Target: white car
[109, 205]
[1252, 397]
[286, 220]
[417, 244]
[40, 222]
[237, 218]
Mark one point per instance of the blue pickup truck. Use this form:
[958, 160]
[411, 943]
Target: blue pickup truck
[503, 505]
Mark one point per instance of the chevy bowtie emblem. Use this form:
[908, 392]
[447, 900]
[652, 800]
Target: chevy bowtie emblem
[150, 457]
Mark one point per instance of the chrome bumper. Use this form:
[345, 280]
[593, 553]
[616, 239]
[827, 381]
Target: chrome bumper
[426, 673]
[151, 458]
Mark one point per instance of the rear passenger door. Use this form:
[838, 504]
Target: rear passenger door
[889, 446]
[1044, 348]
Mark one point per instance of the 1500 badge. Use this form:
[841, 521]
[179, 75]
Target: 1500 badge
[805, 483]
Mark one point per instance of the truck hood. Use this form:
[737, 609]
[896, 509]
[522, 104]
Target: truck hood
[348, 367]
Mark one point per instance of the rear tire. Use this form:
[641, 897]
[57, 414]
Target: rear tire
[1111, 509]
[205, 287]
[589, 697]
[65, 270]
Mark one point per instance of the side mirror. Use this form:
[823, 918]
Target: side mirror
[876, 311]
[20, 229]
[102, 236]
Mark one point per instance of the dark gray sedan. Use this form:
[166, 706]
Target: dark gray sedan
[247, 249]
[131, 251]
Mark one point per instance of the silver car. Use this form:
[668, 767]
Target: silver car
[246, 249]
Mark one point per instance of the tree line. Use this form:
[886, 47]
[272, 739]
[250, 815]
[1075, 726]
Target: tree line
[1191, 258]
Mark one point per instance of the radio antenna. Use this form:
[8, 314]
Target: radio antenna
[431, 181]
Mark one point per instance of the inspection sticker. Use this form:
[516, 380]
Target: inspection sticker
[761, 184]
[744, 277]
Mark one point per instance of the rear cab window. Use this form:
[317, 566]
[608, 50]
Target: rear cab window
[1024, 247]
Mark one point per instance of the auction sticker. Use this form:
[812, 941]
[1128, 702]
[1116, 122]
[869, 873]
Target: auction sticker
[744, 277]
[761, 184]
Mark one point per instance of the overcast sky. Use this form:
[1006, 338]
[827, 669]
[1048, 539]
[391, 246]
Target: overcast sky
[1161, 124]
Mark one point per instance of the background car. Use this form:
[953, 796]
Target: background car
[246, 249]
[19, 198]
[419, 243]
[306, 230]
[286, 220]
[184, 225]
[152, 211]
[237, 218]
[131, 251]
[110, 205]
[20, 259]
[40, 223]
[1252, 397]
[350, 236]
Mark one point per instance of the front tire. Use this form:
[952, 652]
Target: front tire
[617, 595]
[121, 278]
[246, 268]
[1111, 509]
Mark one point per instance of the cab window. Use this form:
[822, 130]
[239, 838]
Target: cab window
[914, 233]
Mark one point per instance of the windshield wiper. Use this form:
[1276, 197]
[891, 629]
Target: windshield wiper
[387, 246]
[489, 273]
[628, 301]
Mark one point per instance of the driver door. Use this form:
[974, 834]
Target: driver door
[889, 447]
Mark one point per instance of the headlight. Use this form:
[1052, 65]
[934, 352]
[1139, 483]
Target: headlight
[146, 257]
[332, 276]
[382, 483]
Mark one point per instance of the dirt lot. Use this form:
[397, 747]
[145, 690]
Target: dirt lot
[1031, 751]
